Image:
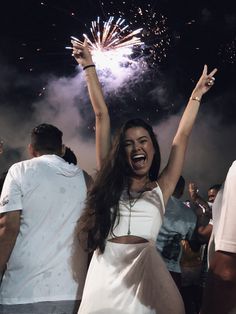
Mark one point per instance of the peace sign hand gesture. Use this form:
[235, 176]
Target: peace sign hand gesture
[205, 82]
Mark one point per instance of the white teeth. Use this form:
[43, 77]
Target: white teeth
[138, 156]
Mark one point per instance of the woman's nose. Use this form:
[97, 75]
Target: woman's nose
[136, 146]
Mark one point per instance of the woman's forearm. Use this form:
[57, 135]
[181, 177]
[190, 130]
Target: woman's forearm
[189, 115]
[103, 140]
[84, 58]
[95, 92]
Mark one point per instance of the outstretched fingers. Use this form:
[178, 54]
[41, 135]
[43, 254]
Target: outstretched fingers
[204, 72]
[210, 77]
[213, 72]
[85, 44]
[76, 44]
[78, 49]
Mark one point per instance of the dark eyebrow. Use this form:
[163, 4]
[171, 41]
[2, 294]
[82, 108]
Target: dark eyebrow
[140, 138]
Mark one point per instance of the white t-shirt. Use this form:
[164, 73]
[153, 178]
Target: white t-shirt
[224, 214]
[50, 194]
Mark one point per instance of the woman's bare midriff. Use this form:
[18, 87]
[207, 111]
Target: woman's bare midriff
[128, 239]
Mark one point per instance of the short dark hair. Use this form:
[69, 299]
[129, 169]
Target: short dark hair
[69, 156]
[215, 187]
[46, 138]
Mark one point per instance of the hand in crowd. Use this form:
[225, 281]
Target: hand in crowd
[193, 190]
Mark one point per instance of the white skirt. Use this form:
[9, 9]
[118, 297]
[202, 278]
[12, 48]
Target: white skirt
[130, 278]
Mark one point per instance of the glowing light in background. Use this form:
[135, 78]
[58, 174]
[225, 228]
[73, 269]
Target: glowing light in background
[228, 52]
[112, 43]
[136, 45]
[155, 31]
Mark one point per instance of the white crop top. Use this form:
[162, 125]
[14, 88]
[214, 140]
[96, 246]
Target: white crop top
[145, 218]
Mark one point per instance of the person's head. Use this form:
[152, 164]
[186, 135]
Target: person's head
[136, 150]
[179, 188]
[69, 156]
[212, 192]
[45, 139]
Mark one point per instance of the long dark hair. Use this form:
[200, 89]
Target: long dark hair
[110, 181]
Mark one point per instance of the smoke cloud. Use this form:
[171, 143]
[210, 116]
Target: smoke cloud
[64, 103]
[210, 151]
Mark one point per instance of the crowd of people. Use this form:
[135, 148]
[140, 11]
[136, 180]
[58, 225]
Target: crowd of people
[124, 241]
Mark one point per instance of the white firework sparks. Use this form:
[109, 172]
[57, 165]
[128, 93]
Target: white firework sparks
[112, 44]
[112, 40]
[227, 52]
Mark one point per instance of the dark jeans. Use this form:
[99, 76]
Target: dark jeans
[192, 297]
[55, 307]
[192, 294]
[177, 279]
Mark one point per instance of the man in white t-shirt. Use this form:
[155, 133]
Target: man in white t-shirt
[41, 201]
[220, 294]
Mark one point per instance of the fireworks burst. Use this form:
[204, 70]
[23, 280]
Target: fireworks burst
[228, 52]
[135, 37]
[155, 34]
[136, 45]
[112, 43]
[155, 30]
[112, 35]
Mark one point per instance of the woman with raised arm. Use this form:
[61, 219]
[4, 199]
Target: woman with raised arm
[125, 207]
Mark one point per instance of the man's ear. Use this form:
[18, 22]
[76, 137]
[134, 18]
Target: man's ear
[63, 150]
[31, 151]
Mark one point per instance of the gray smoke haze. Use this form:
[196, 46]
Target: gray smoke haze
[65, 104]
[210, 151]
[59, 105]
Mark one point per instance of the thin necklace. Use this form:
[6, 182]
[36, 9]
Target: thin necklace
[131, 205]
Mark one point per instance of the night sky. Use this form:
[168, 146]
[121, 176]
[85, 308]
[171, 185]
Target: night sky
[39, 80]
